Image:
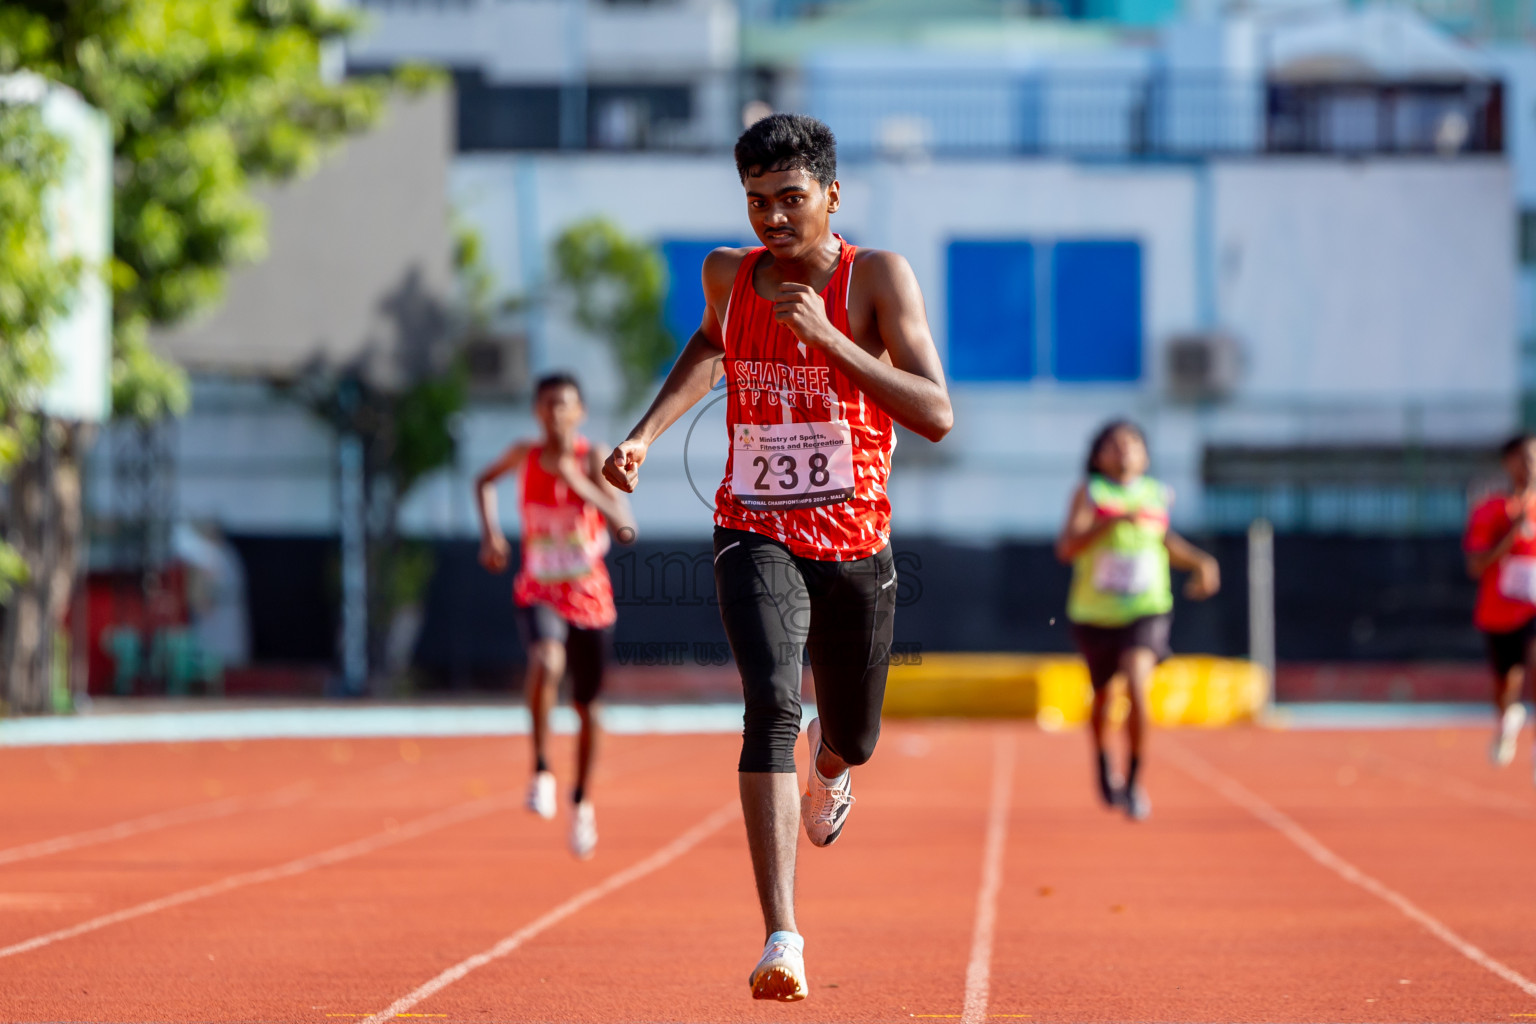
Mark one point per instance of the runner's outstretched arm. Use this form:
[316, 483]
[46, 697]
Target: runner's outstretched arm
[911, 386]
[1083, 526]
[697, 369]
[494, 549]
[590, 485]
[1478, 562]
[1206, 578]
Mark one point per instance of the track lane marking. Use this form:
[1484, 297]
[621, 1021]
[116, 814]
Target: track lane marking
[278, 799]
[284, 797]
[1203, 771]
[325, 858]
[978, 972]
[655, 862]
[1448, 785]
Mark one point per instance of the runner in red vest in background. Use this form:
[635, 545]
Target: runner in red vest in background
[1501, 556]
[562, 593]
[824, 347]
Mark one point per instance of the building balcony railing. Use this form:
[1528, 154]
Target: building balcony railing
[1047, 114]
[1160, 116]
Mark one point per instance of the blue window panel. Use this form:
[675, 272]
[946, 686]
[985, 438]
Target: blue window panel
[991, 310]
[1096, 311]
[684, 307]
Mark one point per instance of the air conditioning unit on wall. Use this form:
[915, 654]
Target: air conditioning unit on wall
[497, 364]
[1202, 366]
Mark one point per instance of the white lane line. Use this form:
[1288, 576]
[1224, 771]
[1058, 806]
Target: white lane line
[978, 973]
[1451, 786]
[1234, 791]
[656, 861]
[335, 855]
[355, 723]
[277, 799]
[284, 797]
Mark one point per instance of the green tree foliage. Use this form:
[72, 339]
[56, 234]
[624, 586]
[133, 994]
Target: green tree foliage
[35, 287]
[620, 285]
[204, 96]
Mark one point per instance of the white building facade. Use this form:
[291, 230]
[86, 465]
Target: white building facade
[1251, 303]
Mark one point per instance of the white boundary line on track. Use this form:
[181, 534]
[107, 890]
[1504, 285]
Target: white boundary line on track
[327, 722]
[1205, 772]
[1449, 785]
[283, 797]
[656, 861]
[335, 855]
[978, 973]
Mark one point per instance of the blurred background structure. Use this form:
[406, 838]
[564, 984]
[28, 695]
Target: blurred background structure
[1295, 239]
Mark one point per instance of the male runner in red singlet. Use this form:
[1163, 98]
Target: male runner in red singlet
[1501, 556]
[562, 592]
[823, 346]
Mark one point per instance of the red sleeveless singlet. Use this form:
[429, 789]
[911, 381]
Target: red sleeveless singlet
[564, 540]
[810, 454]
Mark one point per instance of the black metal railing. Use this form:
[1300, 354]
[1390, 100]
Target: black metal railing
[1153, 116]
[1383, 490]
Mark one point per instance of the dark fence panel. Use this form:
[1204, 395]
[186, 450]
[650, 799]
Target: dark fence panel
[1338, 598]
[291, 596]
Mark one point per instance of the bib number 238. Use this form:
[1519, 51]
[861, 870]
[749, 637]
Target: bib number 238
[776, 466]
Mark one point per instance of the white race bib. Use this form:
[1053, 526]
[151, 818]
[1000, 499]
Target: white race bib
[1128, 575]
[556, 560]
[1517, 578]
[556, 545]
[776, 466]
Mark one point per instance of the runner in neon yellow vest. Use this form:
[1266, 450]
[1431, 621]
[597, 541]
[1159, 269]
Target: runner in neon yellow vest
[1117, 540]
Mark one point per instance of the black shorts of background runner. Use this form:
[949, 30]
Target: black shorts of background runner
[1509, 650]
[586, 650]
[777, 607]
[1102, 646]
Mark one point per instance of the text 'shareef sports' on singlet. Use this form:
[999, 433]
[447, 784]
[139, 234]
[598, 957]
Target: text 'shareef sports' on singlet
[810, 458]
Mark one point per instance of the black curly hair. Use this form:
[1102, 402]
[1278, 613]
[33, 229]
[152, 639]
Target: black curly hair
[1514, 444]
[786, 142]
[1103, 435]
[559, 379]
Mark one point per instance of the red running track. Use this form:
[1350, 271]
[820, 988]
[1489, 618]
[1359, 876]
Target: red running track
[1284, 876]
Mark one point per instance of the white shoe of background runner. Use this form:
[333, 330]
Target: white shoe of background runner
[1508, 737]
[826, 803]
[1138, 806]
[780, 972]
[583, 830]
[541, 795]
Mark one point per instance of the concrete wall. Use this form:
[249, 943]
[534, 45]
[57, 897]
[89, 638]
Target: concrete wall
[547, 41]
[359, 263]
[1373, 302]
[1390, 280]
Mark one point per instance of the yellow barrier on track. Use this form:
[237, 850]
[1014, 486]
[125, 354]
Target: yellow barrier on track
[1053, 689]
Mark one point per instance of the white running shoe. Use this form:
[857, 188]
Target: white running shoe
[583, 830]
[825, 805]
[541, 795]
[1508, 738]
[1138, 806]
[780, 972]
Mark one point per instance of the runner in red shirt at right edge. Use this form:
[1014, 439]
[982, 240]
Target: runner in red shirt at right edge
[1501, 556]
[823, 345]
